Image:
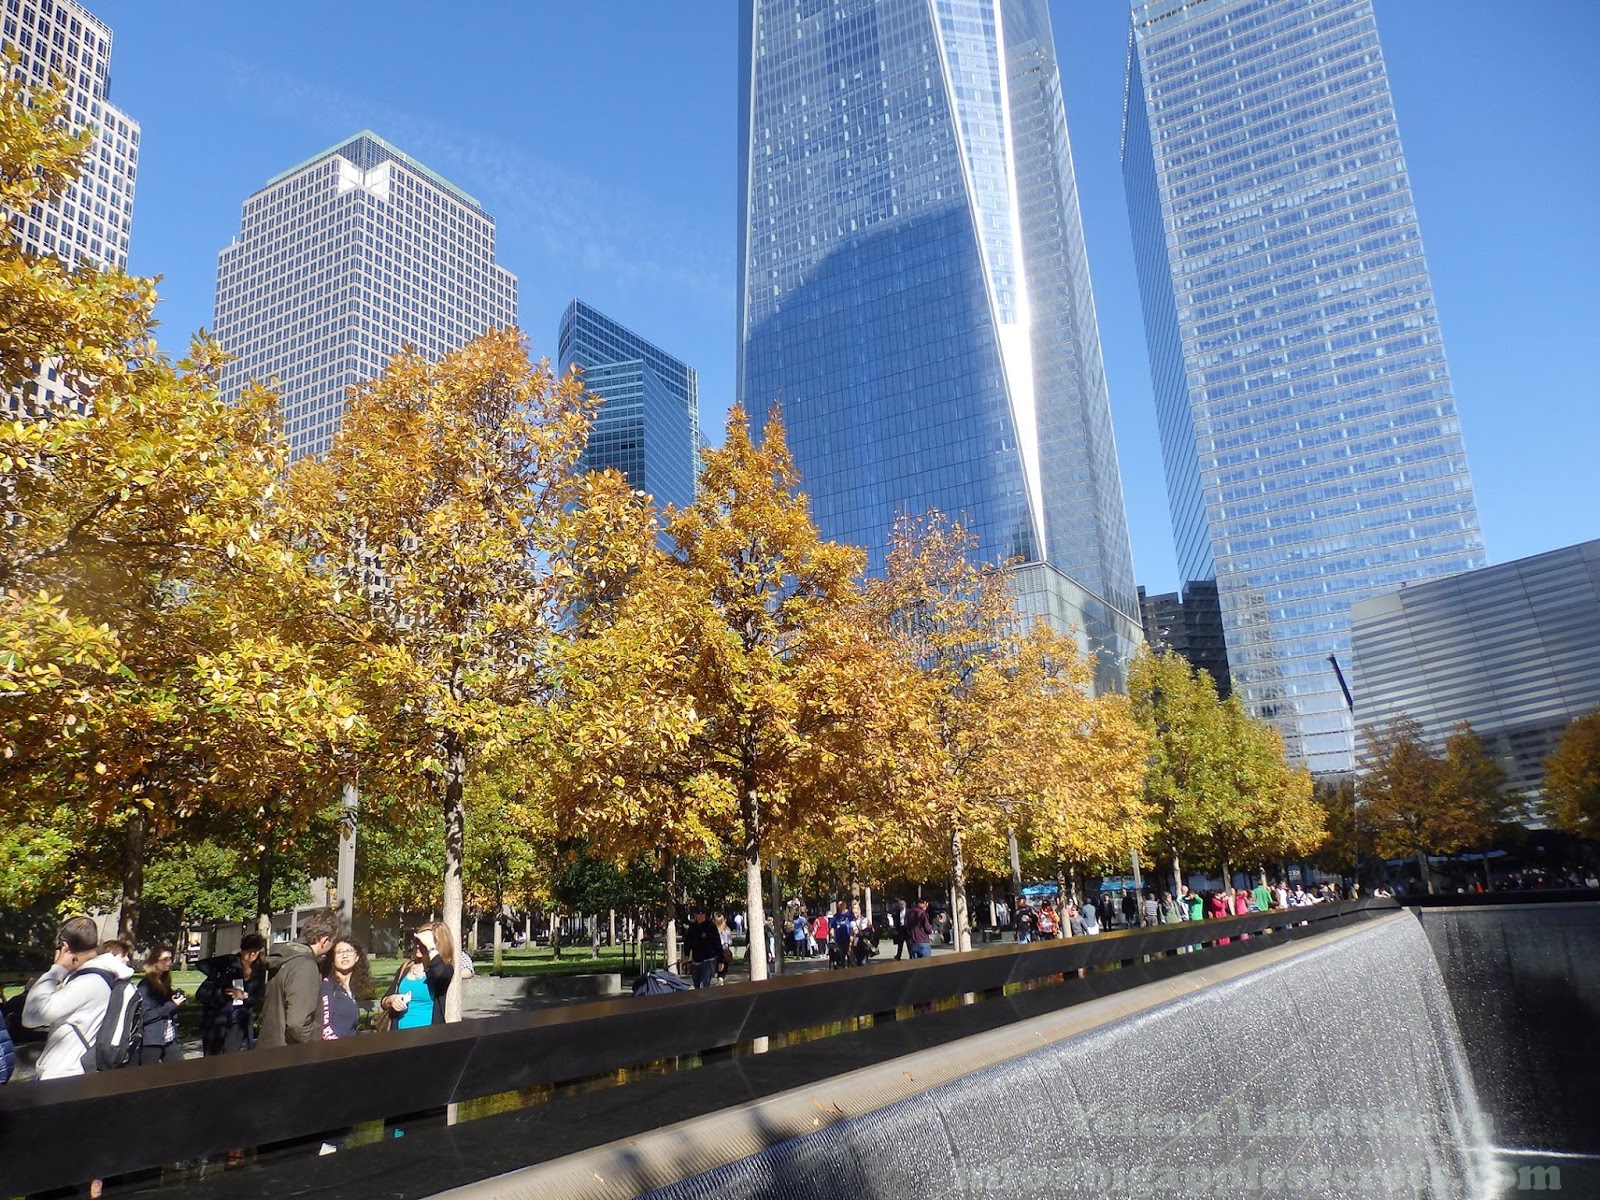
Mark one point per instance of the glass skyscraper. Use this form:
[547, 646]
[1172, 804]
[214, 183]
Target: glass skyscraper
[648, 426]
[1313, 455]
[90, 221]
[342, 261]
[914, 289]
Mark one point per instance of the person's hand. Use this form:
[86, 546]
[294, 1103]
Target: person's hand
[237, 994]
[70, 960]
[178, 997]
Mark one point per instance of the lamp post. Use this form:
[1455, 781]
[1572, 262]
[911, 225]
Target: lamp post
[1350, 704]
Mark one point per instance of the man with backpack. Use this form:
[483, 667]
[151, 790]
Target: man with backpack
[86, 1003]
[841, 929]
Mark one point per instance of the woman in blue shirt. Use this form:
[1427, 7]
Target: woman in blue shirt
[346, 990]
[417, 997]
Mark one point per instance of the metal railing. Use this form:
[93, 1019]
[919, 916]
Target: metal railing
[65, 1132]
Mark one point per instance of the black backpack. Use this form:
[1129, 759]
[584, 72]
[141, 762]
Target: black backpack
[20, 1033]
[121, 1029]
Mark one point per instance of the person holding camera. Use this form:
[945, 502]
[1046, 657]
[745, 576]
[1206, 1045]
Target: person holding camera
[70, 999]
[158, 1039]
[231, 997]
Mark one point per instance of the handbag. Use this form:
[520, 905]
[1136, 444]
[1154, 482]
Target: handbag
[383, 1019]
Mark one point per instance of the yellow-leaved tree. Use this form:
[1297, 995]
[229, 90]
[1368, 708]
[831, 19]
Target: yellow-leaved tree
[764, 595]
[138, 678]
[623, 753]
[959, 766]
[1087, 763]
[1419, 802]
[1572, 778]
[435, 514]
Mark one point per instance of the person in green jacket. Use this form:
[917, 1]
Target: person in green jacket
[1195, 902]
[1262, 896]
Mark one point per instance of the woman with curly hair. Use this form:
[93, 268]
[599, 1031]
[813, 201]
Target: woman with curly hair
[346, 989]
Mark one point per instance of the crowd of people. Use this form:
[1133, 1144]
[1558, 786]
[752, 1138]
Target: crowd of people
[101, 1006]
[98, 1007]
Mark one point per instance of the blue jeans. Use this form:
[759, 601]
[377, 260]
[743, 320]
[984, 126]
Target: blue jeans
[704, 971]
[921, 950]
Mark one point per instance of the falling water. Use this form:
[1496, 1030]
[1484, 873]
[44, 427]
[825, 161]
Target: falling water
[1336, 1073]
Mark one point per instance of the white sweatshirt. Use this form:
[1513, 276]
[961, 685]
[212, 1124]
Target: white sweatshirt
[71, 1008]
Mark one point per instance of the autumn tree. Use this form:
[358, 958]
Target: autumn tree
[763, 591]
[981, 674]
[1572, 778]
[623, 757]
[1178, 708]
[141, 523]
[1089, 757]
[434, 515]
[1340, 852]
[1419, 802]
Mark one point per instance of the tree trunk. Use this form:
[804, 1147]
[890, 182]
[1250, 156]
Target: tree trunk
[345, 872]
[264, 887]
[958, 886]
[754, 904]
[778, 934]
[670, 930]
[611, 927]
[1427, 875]
[455, 831]
[1177, 874]
[866, 909]
[472, 922]
[499, 934]
[1016, 864]
[555, 933]
[594, 936]
[1227, 872]
[1061, 893]
[132, 876]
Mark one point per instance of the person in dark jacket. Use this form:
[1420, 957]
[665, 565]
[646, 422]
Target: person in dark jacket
[919, 931]
[8, 1055]
[230, 998]
[291, 1005]
[346, 989]
[703, 946]
[158, 1037]
[417, 997]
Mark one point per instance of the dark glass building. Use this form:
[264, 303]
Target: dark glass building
[1189, 624]
[1308, 425]
[914, 289]
[648, 425]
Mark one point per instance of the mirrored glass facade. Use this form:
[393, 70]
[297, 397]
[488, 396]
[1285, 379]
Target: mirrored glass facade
[914, 289]
[1513, 650]
[341, 262]
[648, 423]
[1313, 453]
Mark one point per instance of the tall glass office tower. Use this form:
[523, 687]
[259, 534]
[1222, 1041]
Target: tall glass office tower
[1313, 455]
[648, 426]
[342, 261]
[914, 288]
[89, 223]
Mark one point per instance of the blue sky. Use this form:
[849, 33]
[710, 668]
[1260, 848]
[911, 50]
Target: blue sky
[601, 135]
